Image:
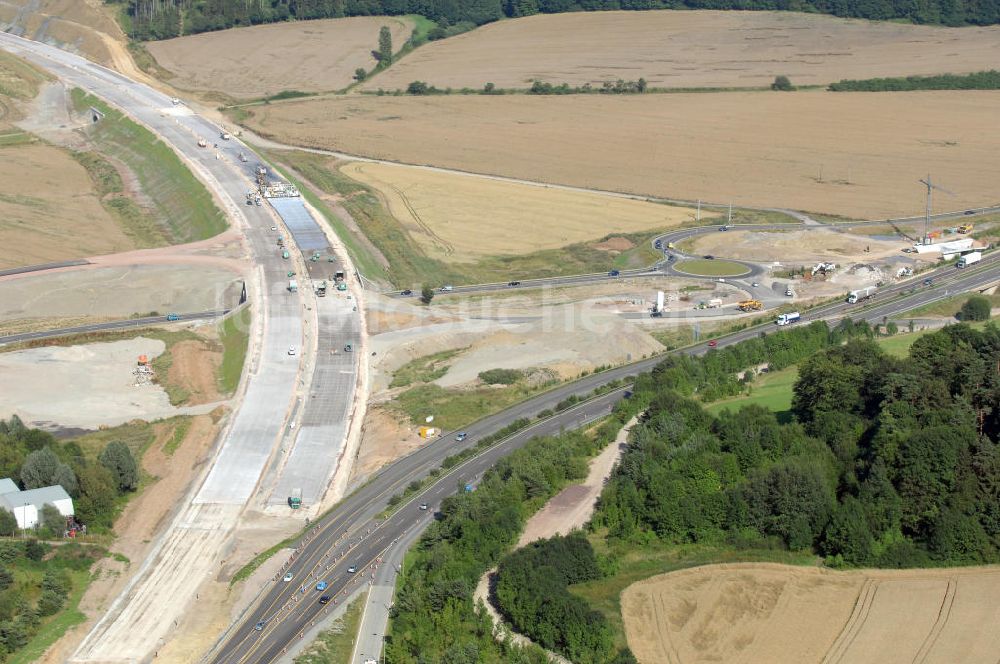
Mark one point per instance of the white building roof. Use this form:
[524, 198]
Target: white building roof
[8, 485]
[37, 497]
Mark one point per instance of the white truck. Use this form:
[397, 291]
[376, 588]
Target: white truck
[293, 285]
[788, 319]
[969, 259]
[861, 295]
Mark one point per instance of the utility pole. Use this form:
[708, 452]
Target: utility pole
[729, 219]
[927, 209]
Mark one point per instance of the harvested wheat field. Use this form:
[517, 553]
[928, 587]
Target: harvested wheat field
[854, 154]
[792, 246]
[465, 218]
[49, 210]
[311, 56]
[764, 613]
[691, 49]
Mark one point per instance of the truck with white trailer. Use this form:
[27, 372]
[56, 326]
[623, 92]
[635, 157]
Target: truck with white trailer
[788, 319]
[293, 286]
[970, 258]
[861, 295]
[658, 307]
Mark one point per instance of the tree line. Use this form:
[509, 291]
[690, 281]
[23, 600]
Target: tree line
[162, 19]
[434, 617]
[888, 462]
[983, 80]
[715, 375]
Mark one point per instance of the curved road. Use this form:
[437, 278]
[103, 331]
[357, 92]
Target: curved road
[350, 535]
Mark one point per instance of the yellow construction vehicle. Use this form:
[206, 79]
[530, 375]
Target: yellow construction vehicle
[751, 305]
[965, 228]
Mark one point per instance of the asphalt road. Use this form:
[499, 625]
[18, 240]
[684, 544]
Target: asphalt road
[111, 325]
[350, 535]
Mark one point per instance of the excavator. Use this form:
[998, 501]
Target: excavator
[751, 305]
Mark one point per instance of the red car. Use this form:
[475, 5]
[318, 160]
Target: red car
[713, 343]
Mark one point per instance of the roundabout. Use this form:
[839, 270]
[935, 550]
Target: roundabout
[702, 267]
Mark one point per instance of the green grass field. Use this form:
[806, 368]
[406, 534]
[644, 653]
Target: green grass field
[711, 268]
[772, 390]
[424, 369]
[235, 335]
[454, 408]
[180, 204]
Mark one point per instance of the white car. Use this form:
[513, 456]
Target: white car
[287, 577]
[291, 350]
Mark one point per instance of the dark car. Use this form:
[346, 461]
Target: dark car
[614, 273]
[709, 257]
[513, 283]
[928, 281]
[461, 436]
[325, 599]
[657, 244]
[723, 228]
[407, 293]
[713, 343]
[970, 212]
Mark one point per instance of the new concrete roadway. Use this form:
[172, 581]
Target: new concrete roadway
[350, 536]
[189, 549]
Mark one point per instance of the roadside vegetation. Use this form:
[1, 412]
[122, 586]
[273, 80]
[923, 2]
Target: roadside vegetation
[424, 369]
[454, 407]
[983, 80]
[406, 265]
[180, 205]
[951, 307]
[234, 333]
[335, 644]
[885, 461]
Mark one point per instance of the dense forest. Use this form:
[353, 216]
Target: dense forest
[888, 462]
[161, 19]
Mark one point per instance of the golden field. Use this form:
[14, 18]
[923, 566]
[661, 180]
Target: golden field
[310, 56]
[853, 154]
[690, 49]
[765, 613]
[464, 218]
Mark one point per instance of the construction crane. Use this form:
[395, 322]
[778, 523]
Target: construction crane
[927, 211]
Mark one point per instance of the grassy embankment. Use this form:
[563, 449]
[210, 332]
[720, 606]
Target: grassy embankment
[410, 266]
[234, 333]
[948, 307]
[424, 369]
[335, 645]
[180, 208]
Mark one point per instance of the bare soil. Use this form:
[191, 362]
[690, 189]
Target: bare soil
[691, 49]
[795, 246]
[766, 613]
[309, 56]
[854, 154]
[195, 369]
[458, 218]
[49, 210]
[81, 26]
[141, 521]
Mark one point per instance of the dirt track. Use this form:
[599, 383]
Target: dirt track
[855, 154]
[687, 49]
[763, 613]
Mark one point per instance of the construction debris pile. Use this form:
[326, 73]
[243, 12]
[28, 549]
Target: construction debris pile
[143, 372]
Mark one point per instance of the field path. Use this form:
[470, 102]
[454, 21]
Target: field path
[862, 608]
